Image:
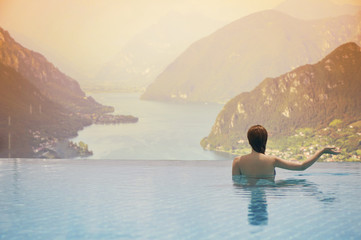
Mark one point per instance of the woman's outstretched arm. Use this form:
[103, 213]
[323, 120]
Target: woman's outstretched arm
[299, 166]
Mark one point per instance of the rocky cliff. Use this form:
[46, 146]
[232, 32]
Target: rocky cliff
[238, 56]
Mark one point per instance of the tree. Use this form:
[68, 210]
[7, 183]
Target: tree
[336, 123]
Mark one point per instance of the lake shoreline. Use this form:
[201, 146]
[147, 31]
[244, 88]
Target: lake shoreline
[165, 131]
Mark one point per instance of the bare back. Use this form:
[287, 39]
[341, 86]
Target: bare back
[254, 165]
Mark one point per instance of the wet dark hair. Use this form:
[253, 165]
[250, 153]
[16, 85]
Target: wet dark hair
[257, 138]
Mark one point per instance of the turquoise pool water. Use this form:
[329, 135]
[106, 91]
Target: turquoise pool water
[110, 199]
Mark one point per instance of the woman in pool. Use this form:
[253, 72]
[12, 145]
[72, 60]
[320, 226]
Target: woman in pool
[257, 164]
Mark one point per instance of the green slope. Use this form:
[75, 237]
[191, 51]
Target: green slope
[311, 96]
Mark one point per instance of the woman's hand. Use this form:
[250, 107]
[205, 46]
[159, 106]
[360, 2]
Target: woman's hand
[331, 150]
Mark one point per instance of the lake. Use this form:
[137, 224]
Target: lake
[165, 131]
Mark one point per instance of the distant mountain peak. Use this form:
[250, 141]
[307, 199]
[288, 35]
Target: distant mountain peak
[311, 9]
[350, 46]
[146, 55]
[3, 34]
[238, 56]
[343, 51]
[341, 57]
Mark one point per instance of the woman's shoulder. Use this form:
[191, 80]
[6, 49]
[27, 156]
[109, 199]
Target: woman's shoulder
[246, 158]
[237, 160]
[270, 158]
[240, 158]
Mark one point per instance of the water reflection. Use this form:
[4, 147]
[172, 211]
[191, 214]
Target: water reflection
[16, 176]
[257, 208]
[256, 191]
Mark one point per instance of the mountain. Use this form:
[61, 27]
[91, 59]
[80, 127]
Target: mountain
[310, 9]
[149, 52]
[238, 56]
[30, 111]
[52, 83]
[40, 107]
[310, 96]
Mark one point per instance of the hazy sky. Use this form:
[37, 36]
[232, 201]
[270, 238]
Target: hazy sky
[84, 34]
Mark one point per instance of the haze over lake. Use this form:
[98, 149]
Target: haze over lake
[165, 131]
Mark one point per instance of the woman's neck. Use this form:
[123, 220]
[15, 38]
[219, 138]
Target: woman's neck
[255, 152]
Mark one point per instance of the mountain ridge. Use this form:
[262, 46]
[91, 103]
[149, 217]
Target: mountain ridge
[24, 110]
[309, 96]
[234, 58]
[45, 76]
[308, 9]
[41, 107]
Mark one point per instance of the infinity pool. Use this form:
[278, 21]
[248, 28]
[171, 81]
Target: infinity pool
[110, 199]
